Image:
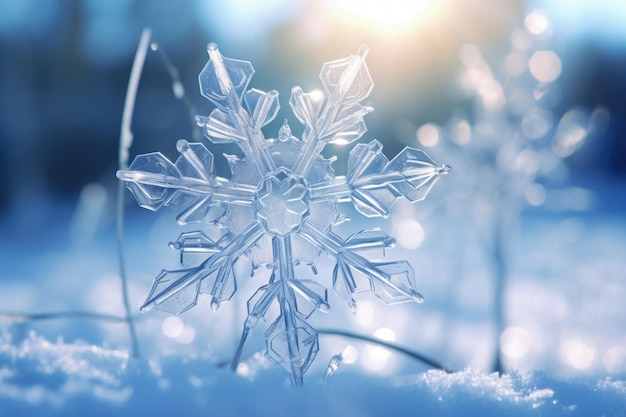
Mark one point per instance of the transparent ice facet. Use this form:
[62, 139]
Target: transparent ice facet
[280, 204]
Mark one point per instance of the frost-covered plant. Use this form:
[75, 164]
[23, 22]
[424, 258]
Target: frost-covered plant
[512, 142]
[279, 206]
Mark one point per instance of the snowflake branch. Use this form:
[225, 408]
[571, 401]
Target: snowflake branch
[281, 246]
[335, 246]
[253, 140]
[347, 81]
[222, 191]
[248, 237]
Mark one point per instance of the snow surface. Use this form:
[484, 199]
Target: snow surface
[39, 377]
[565, 306]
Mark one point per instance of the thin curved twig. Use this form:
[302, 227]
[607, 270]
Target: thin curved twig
[126, 139]
[178, 89]
[414, 355]
[397, 348]
[23, 317]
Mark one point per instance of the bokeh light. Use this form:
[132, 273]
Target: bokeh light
[545, 66]
[409, 233]
[515, 342]
[173, 326]
[538, 23]
[428, 134]
[577, 353]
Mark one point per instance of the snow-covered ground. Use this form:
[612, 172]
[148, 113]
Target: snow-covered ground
[564, 343]
[39, 377]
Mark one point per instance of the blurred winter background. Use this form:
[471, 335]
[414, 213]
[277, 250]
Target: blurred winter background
[520, 248]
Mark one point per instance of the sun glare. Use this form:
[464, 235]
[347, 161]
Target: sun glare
[387, 14]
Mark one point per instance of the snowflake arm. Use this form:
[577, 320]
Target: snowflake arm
[224, 82]
[336, 115]
[374, 183]
[189, 185]
[393, 282]
[177, 291]
[291, 342]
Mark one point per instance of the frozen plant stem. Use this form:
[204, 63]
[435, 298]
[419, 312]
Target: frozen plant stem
[178, 89]
[22, 317]
[126, 140]
[410, 353]
[500, 276]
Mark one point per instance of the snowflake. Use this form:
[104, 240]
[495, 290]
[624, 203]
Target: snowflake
[280, 204]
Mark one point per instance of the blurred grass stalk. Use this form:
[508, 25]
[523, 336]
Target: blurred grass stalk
[126, 140]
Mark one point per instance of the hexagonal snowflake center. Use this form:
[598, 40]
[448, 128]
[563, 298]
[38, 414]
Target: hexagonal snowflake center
[282, 203]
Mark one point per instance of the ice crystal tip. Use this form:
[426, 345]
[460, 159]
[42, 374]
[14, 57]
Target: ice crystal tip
[417, 297]
[443, 169]
[284, 132]
[280, 190]
[333, 365]
[352, 306]
[363, 50]
[147, 307]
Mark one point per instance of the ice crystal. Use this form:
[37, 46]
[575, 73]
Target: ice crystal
[280, 204]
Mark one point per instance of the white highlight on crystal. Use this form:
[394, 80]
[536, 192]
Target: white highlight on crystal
[316, 95]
